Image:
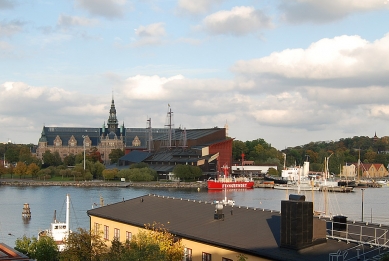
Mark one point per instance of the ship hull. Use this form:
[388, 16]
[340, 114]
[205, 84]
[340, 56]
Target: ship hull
[212, 184]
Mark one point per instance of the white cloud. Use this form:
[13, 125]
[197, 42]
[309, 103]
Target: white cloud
[5, 46]
[338, 58]
[325, 11]
[10, 28]
[152, 30]
[142, 87]
[197, 7]
[240, 20]
[106, 8]
[68, 21]
[151, 34]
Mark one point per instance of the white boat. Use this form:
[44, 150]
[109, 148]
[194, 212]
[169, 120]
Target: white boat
[303, 186]
[59, 231]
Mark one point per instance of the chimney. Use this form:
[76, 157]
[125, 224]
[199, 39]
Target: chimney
[296, 222]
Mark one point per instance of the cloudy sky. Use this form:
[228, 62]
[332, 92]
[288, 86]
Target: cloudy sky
[287, 71]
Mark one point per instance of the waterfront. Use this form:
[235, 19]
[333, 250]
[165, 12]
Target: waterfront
[43, 200]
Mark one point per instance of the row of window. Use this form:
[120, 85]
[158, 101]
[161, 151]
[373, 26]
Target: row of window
[116, 232]
[188, 251]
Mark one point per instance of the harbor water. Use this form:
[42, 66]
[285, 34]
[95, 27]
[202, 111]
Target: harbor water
[44, 200]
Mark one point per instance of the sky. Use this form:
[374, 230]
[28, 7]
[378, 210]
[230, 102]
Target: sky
[286, 71]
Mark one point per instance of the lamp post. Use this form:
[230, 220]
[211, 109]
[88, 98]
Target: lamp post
[362, 203]
[84, 151]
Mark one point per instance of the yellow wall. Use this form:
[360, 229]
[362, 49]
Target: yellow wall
[197, 248]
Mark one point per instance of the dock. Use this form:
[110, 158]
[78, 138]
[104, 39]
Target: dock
[336, 189]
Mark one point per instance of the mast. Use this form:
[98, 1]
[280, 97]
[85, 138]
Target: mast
[169, 126]
[67, 213]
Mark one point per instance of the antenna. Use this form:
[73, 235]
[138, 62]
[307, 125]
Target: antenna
[149, 136]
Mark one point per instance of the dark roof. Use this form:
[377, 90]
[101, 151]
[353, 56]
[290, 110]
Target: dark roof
[248, 230]
[135, 156]
[66, 132]
[191, 134]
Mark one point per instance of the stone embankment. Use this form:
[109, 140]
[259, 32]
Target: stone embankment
[154, 184]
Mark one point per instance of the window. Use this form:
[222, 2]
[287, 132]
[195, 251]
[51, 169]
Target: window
[97, 228]
[206, 257]
[226, 259]
[106, 232]
[128, 235]
[188, 254]
[116, 233]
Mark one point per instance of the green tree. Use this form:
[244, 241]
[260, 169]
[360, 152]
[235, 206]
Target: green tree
[144, 174]
[139, 165]
[32, 170]
[155, 243]
[115, 155]
[97, 170]
[44, 249]
[69, 160]
[20, 169]
[109, 174]
[26, 245]
[25, 155]
[83, 245]
[187, 172]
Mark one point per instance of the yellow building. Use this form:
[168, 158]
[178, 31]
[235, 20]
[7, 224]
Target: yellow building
[375, 170]
[211, 234]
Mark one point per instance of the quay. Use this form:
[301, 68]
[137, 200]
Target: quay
[152, 184]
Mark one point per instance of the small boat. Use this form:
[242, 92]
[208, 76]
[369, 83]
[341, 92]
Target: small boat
[347, 183]
[299, 186]
[276, 180]
[59, 231]
[227, 182]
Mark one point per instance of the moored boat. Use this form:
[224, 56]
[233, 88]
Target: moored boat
[227, 182]
[59, 231]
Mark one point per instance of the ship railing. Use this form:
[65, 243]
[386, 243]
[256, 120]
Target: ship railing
[370, 239]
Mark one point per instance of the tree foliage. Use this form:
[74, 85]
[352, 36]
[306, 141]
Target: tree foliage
[187, 172]
[83, 245]
[345, 151]
[44, 249]
[155, 243]
[115, 155]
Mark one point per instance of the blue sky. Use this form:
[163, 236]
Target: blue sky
[287, 71]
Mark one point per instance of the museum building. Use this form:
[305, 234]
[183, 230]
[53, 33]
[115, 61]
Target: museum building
[161, 148]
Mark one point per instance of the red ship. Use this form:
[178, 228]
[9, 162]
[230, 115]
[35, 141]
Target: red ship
[227, 182]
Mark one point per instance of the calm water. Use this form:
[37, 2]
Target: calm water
[44, 200]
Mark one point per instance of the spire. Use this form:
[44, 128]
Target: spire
[43, 135]
[112, 120]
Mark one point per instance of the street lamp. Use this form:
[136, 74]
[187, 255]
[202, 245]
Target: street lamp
[362, 203]
[84, 151]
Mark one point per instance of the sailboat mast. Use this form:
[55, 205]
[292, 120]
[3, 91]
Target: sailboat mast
[67, 212]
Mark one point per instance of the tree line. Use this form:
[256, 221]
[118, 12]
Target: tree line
[342, 152]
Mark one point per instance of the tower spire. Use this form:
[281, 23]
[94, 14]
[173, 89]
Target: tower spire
[112, 120]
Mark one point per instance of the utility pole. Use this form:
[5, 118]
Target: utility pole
[84, 151]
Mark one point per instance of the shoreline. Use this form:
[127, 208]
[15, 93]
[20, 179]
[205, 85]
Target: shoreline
[99, 183]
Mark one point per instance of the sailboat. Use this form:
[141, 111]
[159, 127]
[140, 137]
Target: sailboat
[297, 178]
[59, 231]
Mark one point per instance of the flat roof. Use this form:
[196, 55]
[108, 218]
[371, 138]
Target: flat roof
[244, 229]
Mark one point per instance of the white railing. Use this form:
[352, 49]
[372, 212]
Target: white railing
[370, 240]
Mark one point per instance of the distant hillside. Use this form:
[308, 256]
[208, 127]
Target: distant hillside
[344, 151]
